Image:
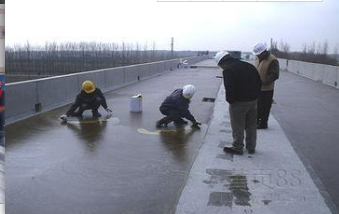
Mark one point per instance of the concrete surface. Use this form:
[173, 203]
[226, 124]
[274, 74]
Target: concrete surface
[107, 167]
[126, 166]
[308, 113]
[272, 181]
[33, 97]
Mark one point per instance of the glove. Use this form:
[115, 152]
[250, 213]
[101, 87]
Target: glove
[196, 125]
[108, 110]
[63, 118]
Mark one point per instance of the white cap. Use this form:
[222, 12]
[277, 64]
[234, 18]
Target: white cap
[259, 48]
[220, 55]
[188, 91]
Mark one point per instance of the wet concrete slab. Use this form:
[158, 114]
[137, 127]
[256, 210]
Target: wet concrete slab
[107, 167]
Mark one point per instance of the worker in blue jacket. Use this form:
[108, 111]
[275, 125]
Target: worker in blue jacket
[176, 106]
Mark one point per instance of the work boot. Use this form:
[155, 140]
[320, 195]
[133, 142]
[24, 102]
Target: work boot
[163, 122]
[250, 151]
[262, 125]
[95, 113]
[233, 150]
[180, 123]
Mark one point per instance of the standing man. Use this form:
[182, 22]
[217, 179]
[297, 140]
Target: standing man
[268, 68]
[242, 84]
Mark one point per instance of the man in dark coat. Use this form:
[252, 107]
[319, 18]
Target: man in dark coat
[176, 107]
[90, 98]
[242, 84]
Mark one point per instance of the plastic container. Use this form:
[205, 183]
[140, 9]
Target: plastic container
[136, 103]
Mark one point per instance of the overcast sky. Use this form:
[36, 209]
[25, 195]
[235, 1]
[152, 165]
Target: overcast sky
[194, 25]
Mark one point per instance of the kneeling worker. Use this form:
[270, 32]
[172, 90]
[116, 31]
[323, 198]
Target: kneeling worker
[90, 98]
[175, 107]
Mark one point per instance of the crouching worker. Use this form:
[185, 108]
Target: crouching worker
[90, 98]
[175, 107]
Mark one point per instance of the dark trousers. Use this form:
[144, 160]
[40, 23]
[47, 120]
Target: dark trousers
[264, 107]
[90, 106]
[243, 117]
[172, 115]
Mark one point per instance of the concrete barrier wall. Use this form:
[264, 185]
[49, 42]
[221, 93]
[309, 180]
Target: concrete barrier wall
[21, 99]
[28, 98]
[283, 64]
[326, 74]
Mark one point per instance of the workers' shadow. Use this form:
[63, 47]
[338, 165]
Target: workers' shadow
[175, 140]
[89, 133]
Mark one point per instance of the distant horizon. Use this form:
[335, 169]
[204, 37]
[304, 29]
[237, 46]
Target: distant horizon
[193, 25]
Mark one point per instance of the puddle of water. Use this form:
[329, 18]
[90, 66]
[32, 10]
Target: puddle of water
[161, 131]
[238, 188]
[220, 199]
[113, 120]
[266, 202]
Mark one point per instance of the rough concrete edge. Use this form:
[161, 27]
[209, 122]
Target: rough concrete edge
[196, 155]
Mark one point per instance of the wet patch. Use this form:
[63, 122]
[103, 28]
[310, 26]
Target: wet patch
[225, 123]
[240, 190]
[266, 202]
[158, 132]
[220, 199]
[208, 99]
[225, 131]
[236, 183]
[222, 144]
[226, 156]
[217, 176]
[255, 181]
[219, 172]
[114, 120]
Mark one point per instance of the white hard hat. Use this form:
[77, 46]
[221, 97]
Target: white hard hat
[188, 91]
[220, 55]
[259, 48]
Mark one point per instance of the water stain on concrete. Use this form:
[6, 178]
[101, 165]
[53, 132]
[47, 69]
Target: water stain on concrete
[240, 190]
[225, 123]
[217, 176]
[255, 181]
[266, 202]
[161, 131]
[225, 131]
[225, 156]
[220, 199]
[222, 144]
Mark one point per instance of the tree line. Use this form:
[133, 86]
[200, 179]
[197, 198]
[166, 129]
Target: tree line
[315, 52]
[71, 57]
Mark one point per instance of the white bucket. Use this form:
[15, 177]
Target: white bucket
[136, 103]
